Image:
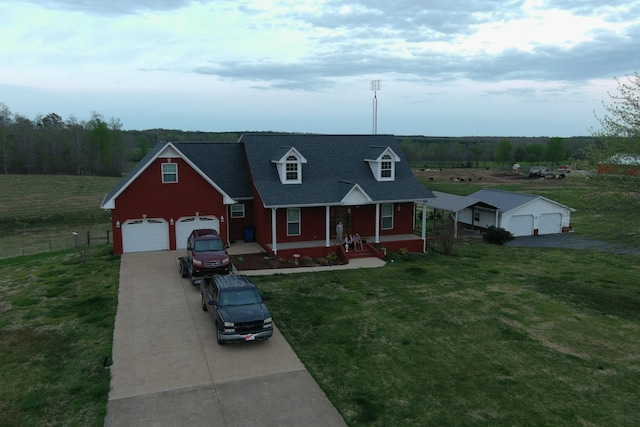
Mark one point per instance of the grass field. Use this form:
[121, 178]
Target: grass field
[488, 335]
[39, 213]
[56, 332]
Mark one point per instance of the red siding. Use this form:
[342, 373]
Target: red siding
[630, 170]
[147, 195]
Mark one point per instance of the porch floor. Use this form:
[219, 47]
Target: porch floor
[242, 247]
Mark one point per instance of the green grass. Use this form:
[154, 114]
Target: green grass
[56, 332]
[39, 213]
[516, 336]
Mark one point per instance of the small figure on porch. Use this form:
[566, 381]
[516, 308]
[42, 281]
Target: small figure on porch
[357, 241]
[348, 242]
[339, 229]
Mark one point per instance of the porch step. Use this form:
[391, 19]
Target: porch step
[366, 253]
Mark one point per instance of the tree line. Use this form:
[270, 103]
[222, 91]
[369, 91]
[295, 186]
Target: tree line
[475, 152]
[97, 146]
[50, 145]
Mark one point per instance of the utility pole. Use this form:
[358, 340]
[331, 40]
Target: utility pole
[375, 87]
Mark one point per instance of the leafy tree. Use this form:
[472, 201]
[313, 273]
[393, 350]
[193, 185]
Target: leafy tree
[99, 144]
[534, 152]
[554, 151]
[504, 152]
[143, 149]
[620, 126]
[5, 122]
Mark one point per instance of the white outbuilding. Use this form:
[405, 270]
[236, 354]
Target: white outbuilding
[519, 213]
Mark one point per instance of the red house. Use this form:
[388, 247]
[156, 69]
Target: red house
[285, 191]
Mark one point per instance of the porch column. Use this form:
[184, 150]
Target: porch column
[424, 226]
[376, 239]
[274, 240]
[455, 223]
[497, 217]
[327, 226]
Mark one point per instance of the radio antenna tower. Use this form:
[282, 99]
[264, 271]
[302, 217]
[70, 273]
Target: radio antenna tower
[375, 87]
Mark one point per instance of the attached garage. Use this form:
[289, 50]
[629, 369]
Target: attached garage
[145, 234]
[185, 225]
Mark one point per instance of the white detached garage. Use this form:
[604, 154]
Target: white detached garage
[521, 214]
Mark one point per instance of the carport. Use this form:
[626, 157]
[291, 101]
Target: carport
[457, 204]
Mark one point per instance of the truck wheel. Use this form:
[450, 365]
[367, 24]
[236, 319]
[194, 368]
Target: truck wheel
[219, 335]
[204, 304]
[183, 268]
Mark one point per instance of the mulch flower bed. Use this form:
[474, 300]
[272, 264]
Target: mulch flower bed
[263, 262]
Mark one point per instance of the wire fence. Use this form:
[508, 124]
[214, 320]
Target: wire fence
[31, 244]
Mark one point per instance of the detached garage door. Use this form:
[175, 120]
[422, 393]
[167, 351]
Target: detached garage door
[521, 225]
[550, 223]
[142, 235]
[185, 225]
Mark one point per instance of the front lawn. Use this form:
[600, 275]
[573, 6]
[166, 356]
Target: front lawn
[56, 334]
[516, 336]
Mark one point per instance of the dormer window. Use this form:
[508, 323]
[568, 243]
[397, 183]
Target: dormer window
[386, 167]
[382, 162]
[292, 168]
[289, 162]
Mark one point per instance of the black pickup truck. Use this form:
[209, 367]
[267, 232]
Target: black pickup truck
[237, 307]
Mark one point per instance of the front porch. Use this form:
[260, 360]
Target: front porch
[318, 248]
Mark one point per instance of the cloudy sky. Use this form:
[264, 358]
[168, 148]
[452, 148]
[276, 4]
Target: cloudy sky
[446, 67]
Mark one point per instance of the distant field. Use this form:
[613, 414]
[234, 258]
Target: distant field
[39, 213]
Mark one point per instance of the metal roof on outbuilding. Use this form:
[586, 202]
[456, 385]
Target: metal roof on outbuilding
[454, 203]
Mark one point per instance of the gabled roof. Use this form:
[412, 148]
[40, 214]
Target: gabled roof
[454, 203]
[224, 163]
[508, 200]
[202, 156]
[335, 164]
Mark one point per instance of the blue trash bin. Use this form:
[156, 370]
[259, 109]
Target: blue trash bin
[249, 234]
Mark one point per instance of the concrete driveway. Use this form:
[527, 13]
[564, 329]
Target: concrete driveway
[168, 369]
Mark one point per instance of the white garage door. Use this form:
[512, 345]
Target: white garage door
[185, 225]
[142, 235]
[550, 223]
[521, 225]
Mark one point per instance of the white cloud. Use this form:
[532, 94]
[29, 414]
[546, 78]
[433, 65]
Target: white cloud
[306, 65]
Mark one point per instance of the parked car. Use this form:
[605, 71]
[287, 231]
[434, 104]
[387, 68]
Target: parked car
[206, 255]
[237, 307]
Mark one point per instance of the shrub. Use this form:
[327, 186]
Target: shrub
[497, 235]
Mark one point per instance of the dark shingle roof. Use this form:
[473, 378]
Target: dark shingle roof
[224, 163]
[131, 174]
[335, 163]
